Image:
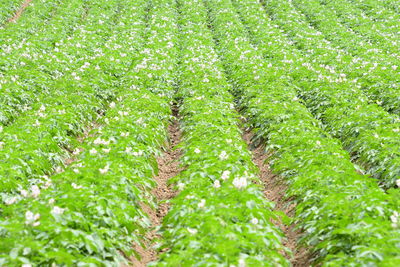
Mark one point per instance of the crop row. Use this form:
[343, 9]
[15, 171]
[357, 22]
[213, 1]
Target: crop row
[90, 214]
[383, 32]
[367, 132]
[36, 143]
[35, 66]
[345, 216]
[8, 7]
[375, 78]
[348, 39]
[379, 8]
[375, 70]
[219, 217]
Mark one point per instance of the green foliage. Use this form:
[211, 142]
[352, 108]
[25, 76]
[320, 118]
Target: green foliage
[343, 214]
[214, 220]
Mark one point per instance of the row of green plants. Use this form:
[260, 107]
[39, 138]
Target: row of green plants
[8, 8]
[379, 8]
[345, 218]
[90, 214]
[34, 65]
[37, 143]
[35, 18]
[383, 33]
[369, 133]
[220, 216]
[321, 16]
[376, 71]
[381, 13]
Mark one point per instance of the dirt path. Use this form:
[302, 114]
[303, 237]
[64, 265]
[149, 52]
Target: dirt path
[19, 12]
[168, 166]
[274, 190]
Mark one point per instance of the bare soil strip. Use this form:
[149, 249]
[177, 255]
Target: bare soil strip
[274, 190]
[168, 166]
[19, 12]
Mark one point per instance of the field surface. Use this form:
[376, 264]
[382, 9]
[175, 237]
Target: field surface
[232, 133]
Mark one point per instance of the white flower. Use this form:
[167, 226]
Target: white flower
[398, 182]
[10, 200]
[35, 191]
[254, 221]
[229, 141]
[36, 124]
[138, 153]
[75, 170]
[223, 155]
[139, 121]
[181, 186]
[57, 210]
[1, 129]
[47, 184]
[59, 169]
[192, 231]
[51, 201]
[112, 105]
[75, 186]
[225, 175]
[395, 219]
[31, 218]
[128, 149]
[93, 151]
[26, 265]
[197, 151]
[105, 169]
[124, 113]
[24, 193]
[106, 150]
[217, 184]
[202, 204]
[240, 183]
[125, 134]
[242, 263]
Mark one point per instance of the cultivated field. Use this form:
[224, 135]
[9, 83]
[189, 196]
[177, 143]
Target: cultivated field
[199, 133]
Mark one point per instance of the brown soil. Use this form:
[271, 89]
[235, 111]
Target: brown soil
[168, 166]
[19, 12]
[274, 190]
